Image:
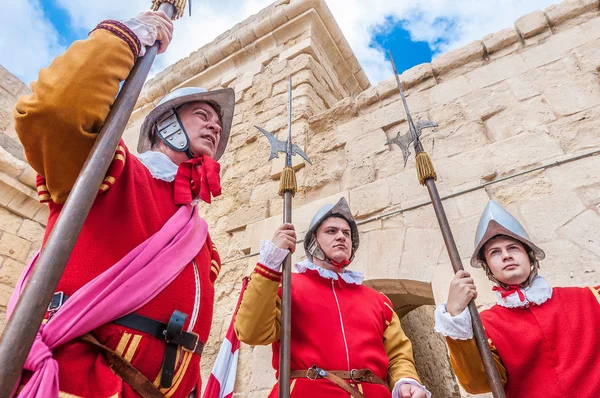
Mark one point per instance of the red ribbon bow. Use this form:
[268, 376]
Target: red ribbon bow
[341, 264]
[197, 177]
[510, 290]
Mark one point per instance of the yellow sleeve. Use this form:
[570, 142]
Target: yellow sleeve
[258, 320]
[58, 123]
[468, 366]
[399, 351]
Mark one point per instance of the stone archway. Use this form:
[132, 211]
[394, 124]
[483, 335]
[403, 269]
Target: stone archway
[414, 303]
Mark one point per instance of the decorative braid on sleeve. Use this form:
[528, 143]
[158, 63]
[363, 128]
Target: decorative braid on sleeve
[122, 31]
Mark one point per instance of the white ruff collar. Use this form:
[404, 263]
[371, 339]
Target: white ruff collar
[159, 165]
[348, 276]
[538, 293]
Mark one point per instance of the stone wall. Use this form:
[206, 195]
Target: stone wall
[22, 217]
[524, 101]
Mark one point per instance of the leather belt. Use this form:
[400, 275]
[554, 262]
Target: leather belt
[172, 333]
[339, 377]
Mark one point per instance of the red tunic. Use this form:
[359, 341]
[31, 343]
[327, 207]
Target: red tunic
[133, 206]
[549, 350]
[337, 326]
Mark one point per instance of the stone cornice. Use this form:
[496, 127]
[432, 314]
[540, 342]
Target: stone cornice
[260, 32]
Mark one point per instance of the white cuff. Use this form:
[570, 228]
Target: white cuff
[407, 380]
[271, 256]
[145, 32]
[457, 327]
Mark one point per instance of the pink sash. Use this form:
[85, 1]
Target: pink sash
[123, 288]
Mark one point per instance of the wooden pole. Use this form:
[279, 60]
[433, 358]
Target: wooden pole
[24, 323]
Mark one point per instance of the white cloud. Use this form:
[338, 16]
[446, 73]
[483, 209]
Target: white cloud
[34, 42]
[28, 42]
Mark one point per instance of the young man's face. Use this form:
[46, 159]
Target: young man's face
[203, 127]
[335, 239]
[507, 259]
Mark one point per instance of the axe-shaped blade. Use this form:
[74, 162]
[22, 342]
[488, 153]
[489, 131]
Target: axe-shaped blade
[276, 145]
[297, 151]
[404, 141]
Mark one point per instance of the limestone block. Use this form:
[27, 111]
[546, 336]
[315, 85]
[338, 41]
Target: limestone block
[466, 167]
[405, 188]
[5, 293]
[278, 164]
[584, 231]
[472, 203]
[26, 205]
[424, 216]
[590, 195]
[588, 56]
[499, 40]
[422, 249]
[454, 139]
[531, 24]
[578, 131]
[367, 97]
[564, 206]
[572, 96]
[262, 27]
[10, 272]
[568, 264]
[365, 145]
[362, 79]
[592, 28]
[458, 57]
[326, 168]
[449, 90]
[527, 85]
[9, 222]
[306, 46]
[554, 48]
[390, 162]
[577, 174]
[14, 247]
[560, 12]
[517, 118]
[32, 231]
[380, 253]
[416, 75]
[496, 71]
[359, 172]
[7, 190]
[528, 187]
[370, 198]
[524, 150]
[10, 165]
[484, 103]
[12, 84]
[447, 114]
[28, 176]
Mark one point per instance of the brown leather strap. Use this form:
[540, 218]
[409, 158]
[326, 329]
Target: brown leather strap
[339, 377]
[125, 370]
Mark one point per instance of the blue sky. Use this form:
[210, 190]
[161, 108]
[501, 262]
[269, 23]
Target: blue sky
[33, 32]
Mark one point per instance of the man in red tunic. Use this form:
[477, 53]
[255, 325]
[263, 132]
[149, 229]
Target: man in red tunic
[544, 340]
[183, 137]
[344, 334]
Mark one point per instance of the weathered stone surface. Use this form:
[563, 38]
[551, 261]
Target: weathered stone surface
[370, 198]
[10, 272]
[10, 165]
[585, 229]
[527, 85]
[531, 24]
[455, 139]
[525, 188]
[422, 249]
[523, 150]
[567, 264]
[559, 13]
[449, 90]
[9, 222]
[14, 247]
[496, 71]
[458, 57]
[499, 40]
[554, 48]
[521, 117]
[578, 131]
[484, 103]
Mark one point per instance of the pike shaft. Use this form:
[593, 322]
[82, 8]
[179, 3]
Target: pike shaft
[286, 310]
[411, 125]
[288, 155]
[23, 325]
[480, 337]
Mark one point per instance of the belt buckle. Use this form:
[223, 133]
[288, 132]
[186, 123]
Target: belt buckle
[317, 372]
[196, 340]
[56, 302]
[352, 376]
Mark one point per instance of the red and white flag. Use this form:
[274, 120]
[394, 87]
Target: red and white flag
[222, 378]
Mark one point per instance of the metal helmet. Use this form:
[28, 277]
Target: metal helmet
[494, 221]
[340, 209]
[164, 120]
